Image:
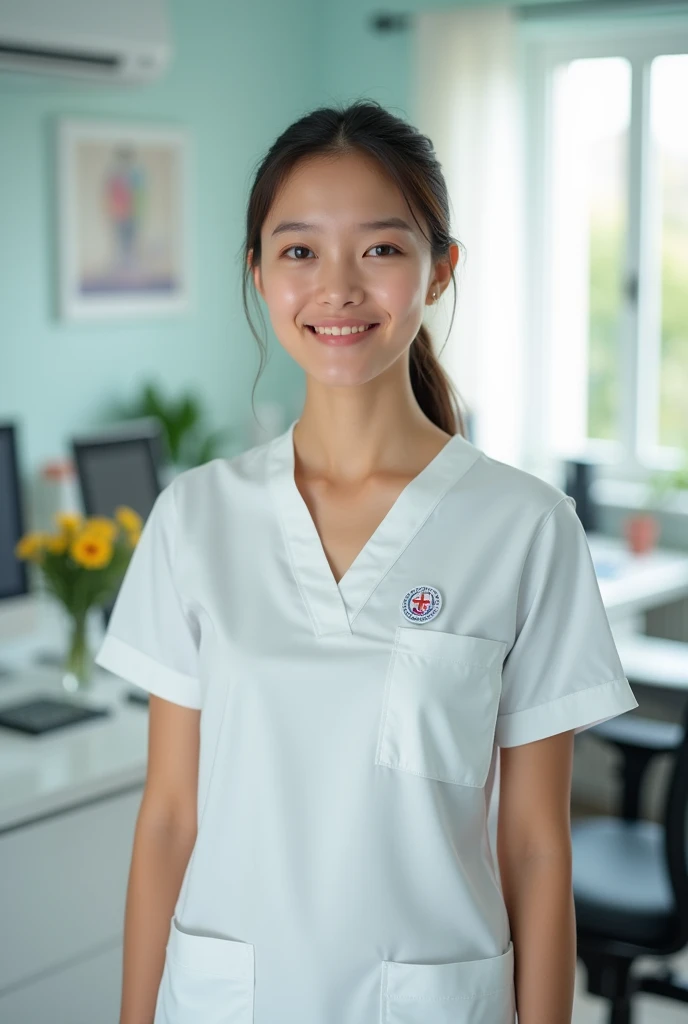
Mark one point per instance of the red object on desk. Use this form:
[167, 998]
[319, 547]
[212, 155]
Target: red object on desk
[641, 532]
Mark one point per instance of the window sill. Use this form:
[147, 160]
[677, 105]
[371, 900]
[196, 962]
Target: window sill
[628, 495]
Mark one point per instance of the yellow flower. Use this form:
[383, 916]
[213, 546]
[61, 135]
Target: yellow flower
[128, 518]
[91, 550]
[70, 522]
[102, 525]
[30, 546]
[134, 537]
[56, 543]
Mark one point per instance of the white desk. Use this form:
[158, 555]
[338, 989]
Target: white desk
[632, 584]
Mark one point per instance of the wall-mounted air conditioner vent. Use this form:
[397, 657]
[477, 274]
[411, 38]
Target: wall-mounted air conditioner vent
[94, 39]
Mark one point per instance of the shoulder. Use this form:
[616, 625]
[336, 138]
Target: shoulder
[513, 498]
[199, 487]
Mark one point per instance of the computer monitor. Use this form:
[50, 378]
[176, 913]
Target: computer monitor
[124, 465]
[17, 605]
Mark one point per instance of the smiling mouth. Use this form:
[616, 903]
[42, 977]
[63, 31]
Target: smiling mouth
[341, 332]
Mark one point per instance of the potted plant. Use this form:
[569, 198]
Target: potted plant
[82, 564]
[642, 529]
[188, 441]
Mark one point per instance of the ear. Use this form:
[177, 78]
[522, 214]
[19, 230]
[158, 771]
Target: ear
[442, 273]
[257, 278]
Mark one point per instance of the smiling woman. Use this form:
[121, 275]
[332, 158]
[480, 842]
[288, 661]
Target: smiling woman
[345, 232]
[363, 609]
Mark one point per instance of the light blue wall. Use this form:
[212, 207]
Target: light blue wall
[242, 71]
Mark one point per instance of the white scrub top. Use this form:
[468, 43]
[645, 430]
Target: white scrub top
[342, 872]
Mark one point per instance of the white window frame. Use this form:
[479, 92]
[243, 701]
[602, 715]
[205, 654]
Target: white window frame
[544, 44]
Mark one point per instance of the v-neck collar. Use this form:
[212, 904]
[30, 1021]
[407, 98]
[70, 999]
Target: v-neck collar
[333, 606]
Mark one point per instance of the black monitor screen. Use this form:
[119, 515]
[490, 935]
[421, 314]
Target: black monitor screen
[13, 573]
[117, 471]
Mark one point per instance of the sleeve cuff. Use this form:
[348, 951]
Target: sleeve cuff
[134, 666]
[577, 711]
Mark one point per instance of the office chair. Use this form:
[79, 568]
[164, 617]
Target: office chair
[638, 740]
[630, 888]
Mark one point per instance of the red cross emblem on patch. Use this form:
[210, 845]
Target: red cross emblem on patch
[421, 604]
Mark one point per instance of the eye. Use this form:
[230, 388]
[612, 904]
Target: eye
[304, 247]
[384, 245]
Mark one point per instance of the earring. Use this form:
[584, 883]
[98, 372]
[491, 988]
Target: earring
[434, 296]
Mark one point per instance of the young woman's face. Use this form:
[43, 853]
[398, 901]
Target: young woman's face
[325, 261]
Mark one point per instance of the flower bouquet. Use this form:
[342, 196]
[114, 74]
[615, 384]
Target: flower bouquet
[82, 565]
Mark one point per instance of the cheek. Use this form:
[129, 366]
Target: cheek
[399, 291]
[283, 288]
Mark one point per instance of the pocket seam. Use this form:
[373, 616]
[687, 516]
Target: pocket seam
[434, 778]
[227, 971]
[233, 976]
[501, 962]
[446, 639]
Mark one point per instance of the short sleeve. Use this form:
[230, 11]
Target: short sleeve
[150, 639]
[563, 670]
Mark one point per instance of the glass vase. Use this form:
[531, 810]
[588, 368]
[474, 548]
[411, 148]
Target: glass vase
[79, 662]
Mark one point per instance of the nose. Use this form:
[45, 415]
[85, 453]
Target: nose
[339, 283]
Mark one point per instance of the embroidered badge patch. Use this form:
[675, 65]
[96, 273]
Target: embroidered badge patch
[421, 604]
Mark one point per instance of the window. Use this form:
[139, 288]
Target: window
[607, 180]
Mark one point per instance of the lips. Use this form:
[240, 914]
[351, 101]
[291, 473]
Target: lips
[342, 339]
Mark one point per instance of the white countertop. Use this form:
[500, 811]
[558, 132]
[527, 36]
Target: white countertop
[59, 769]
[41, 775]
[631, 583]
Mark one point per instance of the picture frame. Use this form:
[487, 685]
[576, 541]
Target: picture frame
[123, 220]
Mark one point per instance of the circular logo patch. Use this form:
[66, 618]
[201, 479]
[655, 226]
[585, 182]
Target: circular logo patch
[421, 604]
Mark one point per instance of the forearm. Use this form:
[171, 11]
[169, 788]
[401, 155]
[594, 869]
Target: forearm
[539, 900]
[159, 858]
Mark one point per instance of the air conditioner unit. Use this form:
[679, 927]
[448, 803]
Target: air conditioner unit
[119, 40]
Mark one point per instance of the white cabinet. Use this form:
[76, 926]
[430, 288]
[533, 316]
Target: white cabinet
[62, 902]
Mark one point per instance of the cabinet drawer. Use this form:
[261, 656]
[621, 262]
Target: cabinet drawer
[84, 993]
[64, 886]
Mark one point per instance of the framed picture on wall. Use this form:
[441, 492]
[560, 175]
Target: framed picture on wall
[122, 220]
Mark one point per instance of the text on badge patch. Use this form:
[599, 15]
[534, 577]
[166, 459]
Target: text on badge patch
[421, 604]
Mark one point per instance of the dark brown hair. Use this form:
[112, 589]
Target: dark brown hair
[409, 158]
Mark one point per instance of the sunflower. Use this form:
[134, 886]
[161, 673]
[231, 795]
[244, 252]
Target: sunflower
[102, 525]
[56, 543]
[70, 522]
[128, 518]
[30, 546]
[91, 549]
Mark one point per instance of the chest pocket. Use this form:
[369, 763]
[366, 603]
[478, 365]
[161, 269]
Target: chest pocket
[440, 705]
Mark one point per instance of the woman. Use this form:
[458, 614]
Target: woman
[339, 629]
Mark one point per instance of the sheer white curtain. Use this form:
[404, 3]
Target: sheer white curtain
[467, 98]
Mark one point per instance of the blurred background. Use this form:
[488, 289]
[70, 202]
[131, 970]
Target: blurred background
[128, 137]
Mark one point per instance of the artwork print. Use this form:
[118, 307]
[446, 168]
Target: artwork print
[122, 220]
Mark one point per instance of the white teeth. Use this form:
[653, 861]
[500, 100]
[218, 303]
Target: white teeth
[336, 331]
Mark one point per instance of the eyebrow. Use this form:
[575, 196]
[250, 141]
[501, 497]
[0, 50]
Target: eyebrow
[369, 225]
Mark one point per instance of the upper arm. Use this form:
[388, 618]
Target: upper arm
[170, 793]
[152, 637]
[563, 671]
[535, 797]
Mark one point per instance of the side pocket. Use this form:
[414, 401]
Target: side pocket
[464, 992]
[205, 979]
